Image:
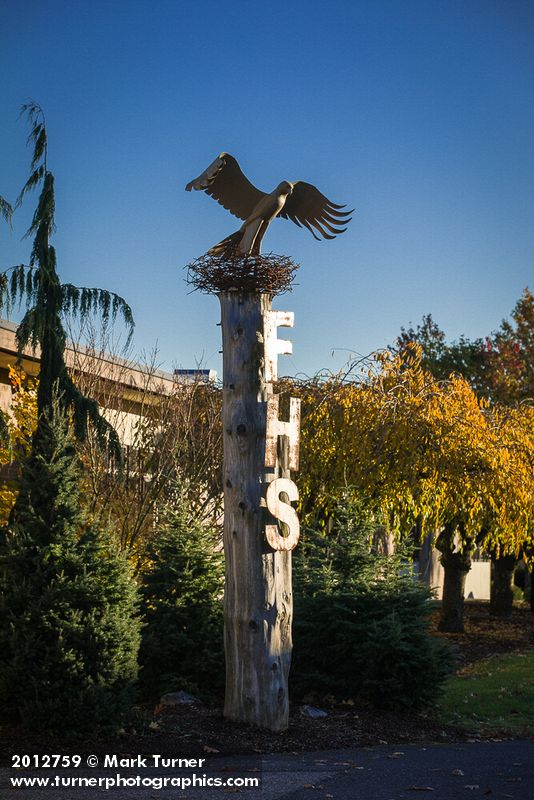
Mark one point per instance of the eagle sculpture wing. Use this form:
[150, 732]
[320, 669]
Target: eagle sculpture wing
[307, 206]
[225, 182]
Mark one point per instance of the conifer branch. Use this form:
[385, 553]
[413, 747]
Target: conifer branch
[47, 300]
[43, 219]
[16, 284]
[30, 331]
[6, 211]
[37, 135]
[85, 413]
[83, 301]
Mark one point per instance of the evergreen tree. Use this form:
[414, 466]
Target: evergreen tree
[69, 638]
[181, 600]
[69, 633]
[361, 627]
[47, 300]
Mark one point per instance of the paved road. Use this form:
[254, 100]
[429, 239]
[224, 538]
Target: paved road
[488, 770]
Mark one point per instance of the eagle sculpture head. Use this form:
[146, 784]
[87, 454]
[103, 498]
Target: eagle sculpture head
[284, 188]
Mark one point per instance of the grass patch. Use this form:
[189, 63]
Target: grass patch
[496, 694]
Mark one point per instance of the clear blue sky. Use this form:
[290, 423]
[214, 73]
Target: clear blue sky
[420, 113]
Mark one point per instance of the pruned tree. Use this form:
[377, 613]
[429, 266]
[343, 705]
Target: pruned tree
[421, 454]
[509, 528]
[500, 369]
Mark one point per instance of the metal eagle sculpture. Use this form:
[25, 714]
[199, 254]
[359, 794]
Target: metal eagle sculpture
[300, 202]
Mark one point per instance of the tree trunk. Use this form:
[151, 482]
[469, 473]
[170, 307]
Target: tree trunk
[456, 565]
[529, 583]
[502, 596]
[258, 601]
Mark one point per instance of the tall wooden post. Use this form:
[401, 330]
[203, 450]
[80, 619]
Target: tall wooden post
[258, 452]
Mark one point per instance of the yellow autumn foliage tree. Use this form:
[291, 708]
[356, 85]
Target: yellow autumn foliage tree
[419, 451]
[509, 524]
[410, 446]
[21, 423]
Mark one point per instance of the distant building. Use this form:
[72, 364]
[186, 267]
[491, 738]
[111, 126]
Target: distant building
[123, 389]
[195, 375]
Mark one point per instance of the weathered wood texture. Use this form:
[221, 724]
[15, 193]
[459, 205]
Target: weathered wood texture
[284, 513]
[275, 428]
[273, 345]
[258, 600]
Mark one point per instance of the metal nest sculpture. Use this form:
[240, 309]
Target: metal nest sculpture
[266, 274]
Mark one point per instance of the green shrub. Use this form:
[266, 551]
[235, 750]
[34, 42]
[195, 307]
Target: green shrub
[361, 621]
[69, 631]
[182, 591]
